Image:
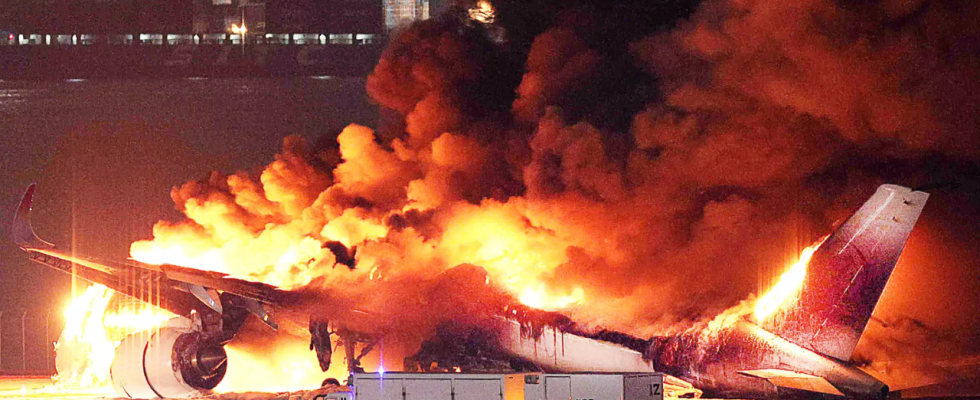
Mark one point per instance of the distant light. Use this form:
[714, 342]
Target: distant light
[239, 30]
[381, 370]
[483, 12]
[11, 36]
[323, 77]
[74, 80]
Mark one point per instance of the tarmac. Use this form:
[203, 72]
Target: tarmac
[42, 387]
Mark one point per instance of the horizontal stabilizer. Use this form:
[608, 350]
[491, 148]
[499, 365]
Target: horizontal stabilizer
[21, 231]
[794, 380]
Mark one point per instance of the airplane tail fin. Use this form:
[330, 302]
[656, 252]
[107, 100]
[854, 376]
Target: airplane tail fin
[846, 275]
[21, 230]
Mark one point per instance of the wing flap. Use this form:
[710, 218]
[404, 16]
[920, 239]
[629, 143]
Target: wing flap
[258, 291]
[794, 380]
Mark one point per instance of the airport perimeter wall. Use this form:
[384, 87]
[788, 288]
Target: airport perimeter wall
[27, 341]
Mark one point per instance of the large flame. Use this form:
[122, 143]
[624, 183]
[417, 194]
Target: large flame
[84, 350]
[93, 329]
[95, 324]
[789, 283]
[277, 232]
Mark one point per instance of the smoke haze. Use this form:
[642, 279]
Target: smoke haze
[638, 166]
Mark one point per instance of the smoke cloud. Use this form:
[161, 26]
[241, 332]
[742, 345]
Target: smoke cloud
[639, 166]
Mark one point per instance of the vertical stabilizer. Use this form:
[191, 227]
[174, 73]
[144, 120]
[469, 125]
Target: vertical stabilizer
[21, 230]
[847, 274]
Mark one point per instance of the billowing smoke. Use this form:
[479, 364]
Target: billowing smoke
[636, 165]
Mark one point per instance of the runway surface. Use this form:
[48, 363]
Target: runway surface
[41, 387]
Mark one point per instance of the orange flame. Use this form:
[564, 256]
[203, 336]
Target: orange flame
[92, 331]
[483, 12]
[289, 250]
[84, 352]
[290, 367]
[789, 283]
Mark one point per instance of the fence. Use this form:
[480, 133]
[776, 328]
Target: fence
[27, 341]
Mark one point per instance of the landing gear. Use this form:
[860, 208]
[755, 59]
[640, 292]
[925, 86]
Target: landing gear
[320, 340]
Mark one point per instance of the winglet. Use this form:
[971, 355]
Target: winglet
[21, 230]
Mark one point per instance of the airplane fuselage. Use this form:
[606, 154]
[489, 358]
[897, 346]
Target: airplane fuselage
[717, 363]
[798, 352]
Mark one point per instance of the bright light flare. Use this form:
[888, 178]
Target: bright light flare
[516, 255]
[87, 345]
[483, 13]
[289, 367]
[239, 30]
[84, 352]
[135, 319]
[789, 283]
[538, 297]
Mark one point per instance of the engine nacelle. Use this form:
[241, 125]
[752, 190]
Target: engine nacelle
[171, 361]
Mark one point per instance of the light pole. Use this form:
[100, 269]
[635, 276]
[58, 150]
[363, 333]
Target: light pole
[47, 341]
[1, 340]
[23, 342]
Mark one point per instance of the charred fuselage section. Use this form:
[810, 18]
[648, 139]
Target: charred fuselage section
[742, 360]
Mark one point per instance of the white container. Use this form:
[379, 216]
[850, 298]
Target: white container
[335, 396]
[585, 386]
[526, 386]
[428, 386]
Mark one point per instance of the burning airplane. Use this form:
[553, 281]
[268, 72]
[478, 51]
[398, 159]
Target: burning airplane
[796, 339]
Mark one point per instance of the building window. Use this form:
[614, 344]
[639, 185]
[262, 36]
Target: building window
[306, 38]
[341, 38]
[31, 39]
[120, 39]
[213, 38]
[151, 38]
[180, 39]
[272, 38]
[399, 13]
[364, 38]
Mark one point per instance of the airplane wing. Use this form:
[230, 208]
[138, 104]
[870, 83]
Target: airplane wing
[794, 380]
[174, 288]
[185, 357]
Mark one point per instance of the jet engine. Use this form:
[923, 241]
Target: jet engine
[172, 361]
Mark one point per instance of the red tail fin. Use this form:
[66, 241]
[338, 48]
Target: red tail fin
[21, 230]
[847, 274]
